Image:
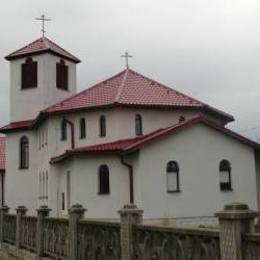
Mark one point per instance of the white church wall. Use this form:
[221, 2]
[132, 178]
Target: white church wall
[120, 124]
[21, 184]
[198, 151]
[84, 185]
[27, 103]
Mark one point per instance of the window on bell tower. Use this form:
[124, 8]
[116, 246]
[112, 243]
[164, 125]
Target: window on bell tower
[62, 75]
[29, 74]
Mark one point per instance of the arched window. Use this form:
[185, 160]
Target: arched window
[82, 128]
[103, 178]
[24, 153]
[102, 126]
[29, 74]
[225, 175]
[138, 125]
[172, 169]
[63, 130]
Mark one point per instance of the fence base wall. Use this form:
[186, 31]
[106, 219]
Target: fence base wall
[9, 252]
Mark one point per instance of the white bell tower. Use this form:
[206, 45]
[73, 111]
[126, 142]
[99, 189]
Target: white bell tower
[41, 74]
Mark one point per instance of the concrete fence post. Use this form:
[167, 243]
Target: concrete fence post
[235, 220]
[3, 210]
[130, 215]
[42, 213]
[20, 212]
[75, 214]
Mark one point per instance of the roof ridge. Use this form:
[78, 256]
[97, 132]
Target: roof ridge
[121, 87]
[196, 119]
[83, 91]
[42, 44]
[27, 45]
[105, 143]
[58, 46]
[46, 42]
[167, 88]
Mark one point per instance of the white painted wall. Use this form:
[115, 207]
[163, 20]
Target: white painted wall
[84, 185]
[120, 125]
[21, 184]
[27, 103]
[198, 151]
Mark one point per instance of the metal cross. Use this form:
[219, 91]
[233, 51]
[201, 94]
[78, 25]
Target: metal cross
[43, 19]
[126, 56]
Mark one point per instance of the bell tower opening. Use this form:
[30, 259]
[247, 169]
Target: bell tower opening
[29, 74]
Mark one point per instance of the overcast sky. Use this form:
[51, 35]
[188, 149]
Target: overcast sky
[209, 49]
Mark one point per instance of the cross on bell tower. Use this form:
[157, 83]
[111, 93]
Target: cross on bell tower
[43, 19]
[126, 56]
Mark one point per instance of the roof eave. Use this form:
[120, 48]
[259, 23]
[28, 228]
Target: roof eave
[19, 56]
[69, 154]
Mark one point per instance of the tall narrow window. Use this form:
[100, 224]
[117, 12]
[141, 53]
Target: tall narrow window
[103, 176]
[63, 130]
[46, 185]
[173, 177]
[225, 175]
[63, 201]
[24, 153]
[40, 185]
[29, 74]
[102, 126]
[62, 75]
[82, 128]
[138, 125]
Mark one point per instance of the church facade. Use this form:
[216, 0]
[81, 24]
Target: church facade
[128, 139]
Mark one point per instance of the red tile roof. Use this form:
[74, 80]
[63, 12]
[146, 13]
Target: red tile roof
[129, 88]
[19, 125]
[41, 45]
[126, 89]
[131, 145]
[2, 153]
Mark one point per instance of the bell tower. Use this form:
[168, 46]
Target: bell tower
[41, 74]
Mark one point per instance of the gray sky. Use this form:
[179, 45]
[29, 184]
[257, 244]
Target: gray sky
[209, 49]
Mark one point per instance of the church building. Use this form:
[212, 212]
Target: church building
[127, 139]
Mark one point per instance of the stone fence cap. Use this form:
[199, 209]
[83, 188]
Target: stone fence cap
[131, 209]
[21, 208]
[77, 208]
[236, 210]
[43, 208]
[236, 206]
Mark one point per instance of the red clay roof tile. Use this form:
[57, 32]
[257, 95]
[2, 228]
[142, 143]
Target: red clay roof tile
[13, 126]
[130, 88]
[42, 44]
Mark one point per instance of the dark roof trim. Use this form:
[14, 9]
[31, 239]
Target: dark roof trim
[9, 58]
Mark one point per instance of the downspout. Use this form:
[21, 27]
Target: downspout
[72, 133]
[131, 178]
[2, 187]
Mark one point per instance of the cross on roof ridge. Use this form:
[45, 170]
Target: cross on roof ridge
[127, 56]
[43, 19]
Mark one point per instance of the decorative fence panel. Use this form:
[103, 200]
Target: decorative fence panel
[251, 246]
[9, 228]
[28, 232]
[98, 240]
[55, 237]
[77, 238]
[159, 243]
